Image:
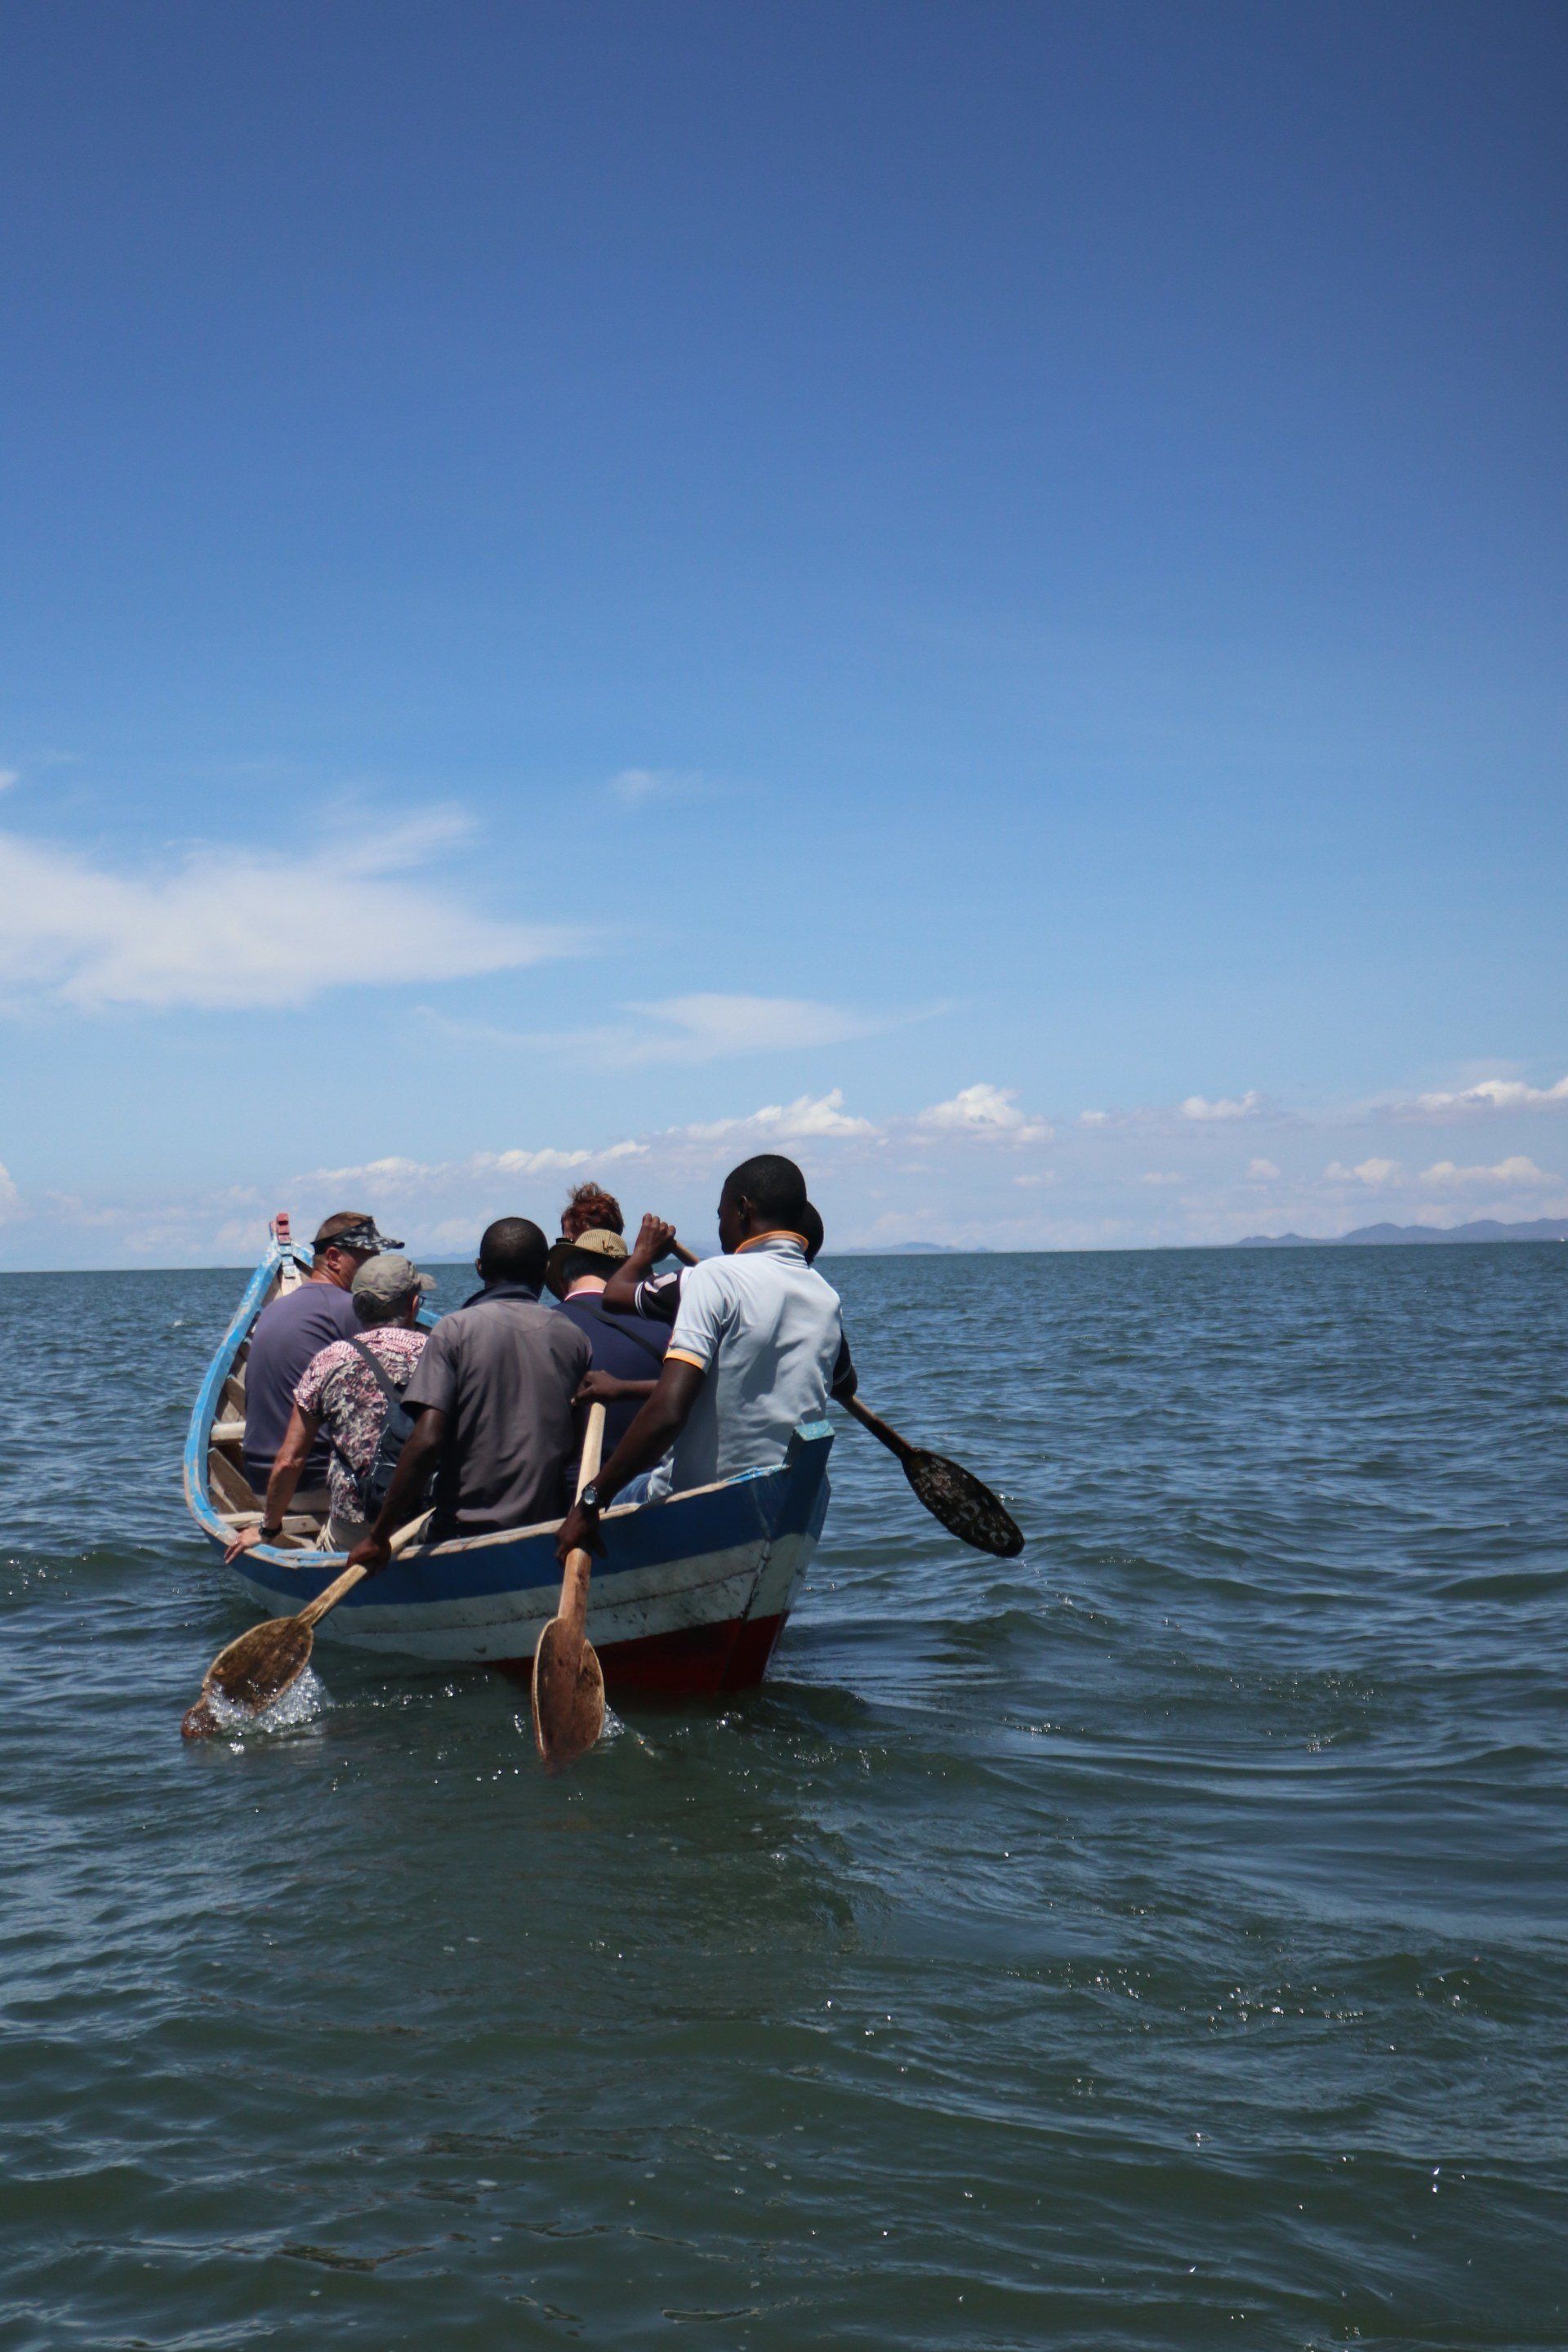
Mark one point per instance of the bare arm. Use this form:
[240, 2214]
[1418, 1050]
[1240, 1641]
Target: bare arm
[404, 1495]
[608, 1387]
[291, 1459]
[654, 1240]
[651, 1436]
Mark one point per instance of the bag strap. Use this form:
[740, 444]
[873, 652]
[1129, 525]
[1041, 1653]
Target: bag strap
[619, 1323]
[367, 1355]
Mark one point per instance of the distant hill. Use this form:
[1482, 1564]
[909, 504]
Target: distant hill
[1485, 1229]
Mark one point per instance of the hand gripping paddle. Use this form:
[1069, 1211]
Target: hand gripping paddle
[568, 1684]
[951, 1494]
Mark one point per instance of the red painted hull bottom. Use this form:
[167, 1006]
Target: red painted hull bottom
[697, 1662]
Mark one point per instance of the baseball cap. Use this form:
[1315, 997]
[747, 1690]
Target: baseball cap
[388, 1279]
[597, 1242]
[353, 1229]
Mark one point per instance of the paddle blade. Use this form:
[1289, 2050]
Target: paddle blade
[252, 1674]
[568, 1696]
[965, 1507]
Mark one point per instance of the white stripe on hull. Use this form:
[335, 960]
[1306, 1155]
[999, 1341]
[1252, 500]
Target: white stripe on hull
[749, 1581]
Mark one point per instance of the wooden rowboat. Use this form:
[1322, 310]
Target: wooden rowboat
[690, 1595]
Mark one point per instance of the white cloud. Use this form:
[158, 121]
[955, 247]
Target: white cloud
[10, 1198]
[1262, 1171]
[1246, 1106]
[436, 1186]
[1166, 1118]
[635, 787]
[806, 1116]
[396, 1178]
[1497, 1094]
[1519, 1171]
[9, 776]
[1366, 1172]
[983, 1110]
[697, 1028]
[1160, 1176]
[703, 1028]
[229, 928]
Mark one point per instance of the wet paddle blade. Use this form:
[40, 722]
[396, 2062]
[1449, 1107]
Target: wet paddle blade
[965, 1507]
[568, 1696]
[252, 1674]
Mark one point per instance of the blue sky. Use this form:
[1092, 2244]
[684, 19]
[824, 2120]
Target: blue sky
[877, 579]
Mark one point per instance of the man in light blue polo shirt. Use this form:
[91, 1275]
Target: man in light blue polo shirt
[758, 1345]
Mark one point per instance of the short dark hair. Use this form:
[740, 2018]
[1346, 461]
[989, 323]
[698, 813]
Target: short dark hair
[514, 1250]
[590, 1209]
[775, 1187]
[570, 1267]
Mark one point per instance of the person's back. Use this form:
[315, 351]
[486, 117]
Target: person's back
[628, 1350]
[503, 1371]
[757, 1348]
[340, 1389]
[767, 1331]
[297, 1325]
[628, 1346]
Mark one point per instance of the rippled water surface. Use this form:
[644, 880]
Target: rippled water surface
[1157, 1940]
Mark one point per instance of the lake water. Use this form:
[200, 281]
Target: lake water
[1157, 1940]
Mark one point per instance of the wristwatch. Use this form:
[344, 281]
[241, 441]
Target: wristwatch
[269, 1535]
[588, 1500]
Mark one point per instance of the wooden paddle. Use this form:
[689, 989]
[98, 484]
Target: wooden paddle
[254, 1672]
[568, 1683]
[965, 1507]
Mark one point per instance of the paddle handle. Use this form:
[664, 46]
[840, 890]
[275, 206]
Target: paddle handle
[314, 1611]
[411, 1532]
[877, 1427]
[573, 1609]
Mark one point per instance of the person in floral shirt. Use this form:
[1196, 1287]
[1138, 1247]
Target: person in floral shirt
[339, 1392]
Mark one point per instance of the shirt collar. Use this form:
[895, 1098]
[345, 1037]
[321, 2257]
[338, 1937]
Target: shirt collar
[503, 1290]
[780, 1239]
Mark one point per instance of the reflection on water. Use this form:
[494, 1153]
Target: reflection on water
[1153, 1940]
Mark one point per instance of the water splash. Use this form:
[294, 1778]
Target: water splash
[301, 1703]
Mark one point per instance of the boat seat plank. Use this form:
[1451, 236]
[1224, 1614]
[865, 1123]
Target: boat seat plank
[230, 1490]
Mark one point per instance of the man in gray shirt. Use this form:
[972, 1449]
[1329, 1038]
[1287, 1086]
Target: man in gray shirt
[491, 1398]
